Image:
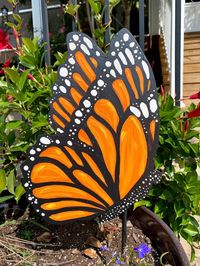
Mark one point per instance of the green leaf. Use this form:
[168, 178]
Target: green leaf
[179, 208]
[23, 80]
[95, 6]
[13, 75]
[71, 9]
[191, 230]
[11, 181]
[5, 198]
[29, 45]
[19, 191]
[2, 180]
[13, 124]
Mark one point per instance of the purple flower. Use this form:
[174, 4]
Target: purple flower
[142, 250]
[119, 262]
[104, 248]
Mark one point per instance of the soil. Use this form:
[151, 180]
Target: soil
[29, 242]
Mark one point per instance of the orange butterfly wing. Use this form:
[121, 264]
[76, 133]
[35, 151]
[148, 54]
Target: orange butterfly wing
[103, 161]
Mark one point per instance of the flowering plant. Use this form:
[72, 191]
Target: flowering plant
[4, 41]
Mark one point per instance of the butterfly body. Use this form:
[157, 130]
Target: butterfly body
[105, 112]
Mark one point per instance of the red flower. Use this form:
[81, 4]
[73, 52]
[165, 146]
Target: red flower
[195, 96]
[31, 77]
[162, 90]
[4, 43]
[5, 65]
[187, 125]
[195, 112]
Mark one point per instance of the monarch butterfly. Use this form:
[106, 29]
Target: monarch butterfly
[105, 112]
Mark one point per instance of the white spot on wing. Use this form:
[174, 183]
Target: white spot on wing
[45, 140]
[146, 69]
[69, 143]
[63, 72]
[78, 113]
[123, 58]
[67, 82]
[130, 56]
[88, 42]
[108, 63]
[77, 121]
[72, 46]
[72, 61]
[93, 93]
[100, 82]
[126, 37]
[144, 109]
[75, 37]
[87, 103]
[112, 72]
[135, 111]
[62, 89]
[118, 66]
[153, 105]
[85, 49]
[117, 44]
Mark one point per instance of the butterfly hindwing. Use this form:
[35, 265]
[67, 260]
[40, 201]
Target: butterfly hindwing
[104, 160]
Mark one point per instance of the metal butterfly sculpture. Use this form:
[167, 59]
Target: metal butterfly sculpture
[105, 112]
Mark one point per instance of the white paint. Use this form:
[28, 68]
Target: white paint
[71, 61]
[77, 121]
[88, 42]
[67, 82]
[118, 66]
[108, 63]
[146, 69]
[63, 72]
[112, 72]
[63, 89]
[32, 152]
[130, 56]
[122, 57]
[153, 105]
[26, 184]
[135, 111]
[192, 17]
[78, 113]
[126, 37]
[75, 37]
[26, 167]
[100, 82]
[72, 46]
[45, 140]
[69, 142]
[85, 49]
[117, 44]
[93, 93]
[144, 110]
[86, 103]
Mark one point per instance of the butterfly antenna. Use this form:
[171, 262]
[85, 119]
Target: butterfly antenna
[124, 230]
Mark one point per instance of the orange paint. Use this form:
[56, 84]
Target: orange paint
[85, 66]
[67, 105]
[141, 78]
[94, 166]
[60, 111]
[48, 172]
[75, 95]
[69, 215]
[80, 81]
[87, 181]
[122, 93]
[58, 121]
[106, 110]
[149, 85]
[56, 154]
[74, 155]
[129, 77]
[94, 62]
[64, 204]
[133, 154]
[106, 143]
[83, 136]
[62, 191]
[152, 128]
